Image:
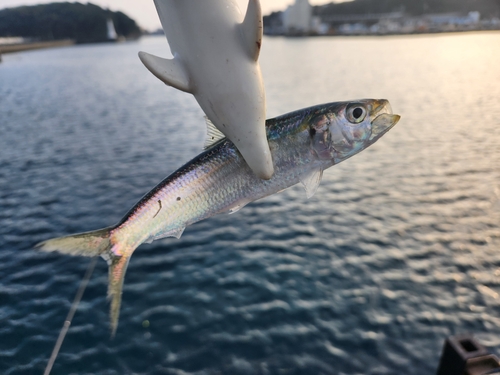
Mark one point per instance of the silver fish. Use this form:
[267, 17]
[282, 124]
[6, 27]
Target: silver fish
[303, 144]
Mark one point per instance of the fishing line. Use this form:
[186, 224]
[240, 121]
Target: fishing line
[71, 313]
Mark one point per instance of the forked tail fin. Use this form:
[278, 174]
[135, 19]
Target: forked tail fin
[117, 269]
[92, 244]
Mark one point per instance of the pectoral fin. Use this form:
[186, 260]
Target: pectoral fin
[311, 181]
[251, 29]
[170, 72]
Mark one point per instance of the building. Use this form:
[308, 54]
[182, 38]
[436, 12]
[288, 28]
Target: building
[297, 17]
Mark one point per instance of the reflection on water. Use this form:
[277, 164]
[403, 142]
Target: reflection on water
[399, 248]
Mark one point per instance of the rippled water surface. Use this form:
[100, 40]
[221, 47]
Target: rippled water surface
[399, 248]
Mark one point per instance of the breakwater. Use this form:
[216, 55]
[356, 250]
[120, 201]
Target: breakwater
[18, 47]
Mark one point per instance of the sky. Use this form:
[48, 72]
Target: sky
[144, 12]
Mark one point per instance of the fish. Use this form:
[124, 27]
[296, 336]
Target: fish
[303, 144]
[215, 57]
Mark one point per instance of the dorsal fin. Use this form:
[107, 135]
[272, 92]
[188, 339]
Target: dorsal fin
[214, 135]
[168, 71]
[251, 29]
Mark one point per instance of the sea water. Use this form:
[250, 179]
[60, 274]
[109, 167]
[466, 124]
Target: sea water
[399, 248]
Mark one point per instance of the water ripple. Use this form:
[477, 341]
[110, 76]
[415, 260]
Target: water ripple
[397, 250]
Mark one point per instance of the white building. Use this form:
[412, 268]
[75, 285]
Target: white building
[297, 17]
[472, 18]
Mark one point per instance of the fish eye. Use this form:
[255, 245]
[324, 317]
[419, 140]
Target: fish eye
[355, 114]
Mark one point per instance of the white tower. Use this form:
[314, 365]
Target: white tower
[111, 30]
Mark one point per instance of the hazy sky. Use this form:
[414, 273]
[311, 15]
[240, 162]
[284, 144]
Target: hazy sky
[144, 12]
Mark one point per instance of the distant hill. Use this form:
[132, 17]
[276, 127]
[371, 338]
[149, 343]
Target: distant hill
[487, 8]
[83, 23]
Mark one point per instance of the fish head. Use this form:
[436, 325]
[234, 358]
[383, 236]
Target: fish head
[341, 130]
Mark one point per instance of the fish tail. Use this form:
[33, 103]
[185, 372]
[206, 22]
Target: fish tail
[117, 267]
[97, 243]
[88, 244]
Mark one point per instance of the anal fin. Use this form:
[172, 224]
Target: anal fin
[177, 233]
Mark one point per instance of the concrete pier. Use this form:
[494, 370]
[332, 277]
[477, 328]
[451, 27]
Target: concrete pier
[18, 47]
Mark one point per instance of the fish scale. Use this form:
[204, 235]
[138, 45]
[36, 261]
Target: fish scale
[303, 144]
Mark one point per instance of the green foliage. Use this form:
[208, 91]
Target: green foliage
[81, 22]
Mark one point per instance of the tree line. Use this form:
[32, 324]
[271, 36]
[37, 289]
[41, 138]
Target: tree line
[83, 23]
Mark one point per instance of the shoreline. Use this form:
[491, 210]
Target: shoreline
[19, 47]
[433, 32]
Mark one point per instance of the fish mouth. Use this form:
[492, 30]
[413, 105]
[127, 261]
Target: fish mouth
[384, 119]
